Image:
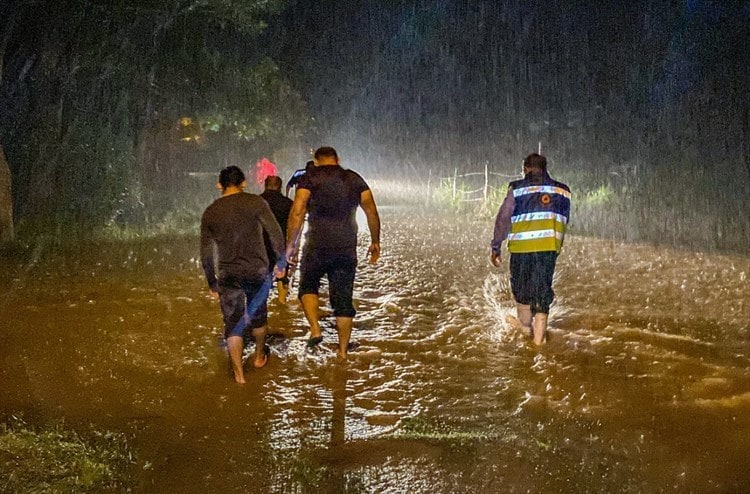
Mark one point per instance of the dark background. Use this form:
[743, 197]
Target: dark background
[600, 84]
[641, 106]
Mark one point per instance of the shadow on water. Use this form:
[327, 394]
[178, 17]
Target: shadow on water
[643, 387]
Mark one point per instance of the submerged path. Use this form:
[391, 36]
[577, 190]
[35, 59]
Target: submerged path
[643, 387]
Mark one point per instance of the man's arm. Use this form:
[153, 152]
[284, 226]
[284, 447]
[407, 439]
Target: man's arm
[502, 226]
[367, 202]
[296, 219]
[207, 258]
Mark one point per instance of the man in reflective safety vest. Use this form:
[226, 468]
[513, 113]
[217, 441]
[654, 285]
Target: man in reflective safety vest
[532, 218]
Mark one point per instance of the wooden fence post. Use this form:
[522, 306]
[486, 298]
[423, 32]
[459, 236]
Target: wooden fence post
[429, 183]
[455, 177]
[486, 179]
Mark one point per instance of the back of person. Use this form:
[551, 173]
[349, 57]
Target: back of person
[334, 197]
[234, 223]
[330, 196]
[540, 214]
[280, 207]
[532, 218]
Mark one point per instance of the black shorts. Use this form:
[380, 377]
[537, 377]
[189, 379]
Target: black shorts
[340, 268]
[234, 296]
[531, 279]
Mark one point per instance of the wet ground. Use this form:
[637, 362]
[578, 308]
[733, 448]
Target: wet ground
[644, 385]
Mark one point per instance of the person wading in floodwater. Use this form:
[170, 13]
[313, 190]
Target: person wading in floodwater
[235, 223]
[332, 195]
[280, 207]
[532, 218]
[297, 176]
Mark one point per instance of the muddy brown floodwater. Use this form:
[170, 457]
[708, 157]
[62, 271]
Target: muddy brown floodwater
[643, 387]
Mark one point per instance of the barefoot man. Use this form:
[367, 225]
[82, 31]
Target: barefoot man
[234, 224]
[532, 218]
[331, 195]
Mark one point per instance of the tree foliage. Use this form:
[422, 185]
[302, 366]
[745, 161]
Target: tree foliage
[93, 92]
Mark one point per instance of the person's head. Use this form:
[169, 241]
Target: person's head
[309, 165]
[231, 176]
[326, 156]
[535, 163]
[272, 182]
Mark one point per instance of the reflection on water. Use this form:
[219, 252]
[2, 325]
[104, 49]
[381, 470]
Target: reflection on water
[644, 385]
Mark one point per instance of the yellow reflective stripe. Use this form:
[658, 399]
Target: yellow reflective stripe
[540, 244]
[535, 234]
[536, 245]
[546, 215]
[528, 226]
[545, 189]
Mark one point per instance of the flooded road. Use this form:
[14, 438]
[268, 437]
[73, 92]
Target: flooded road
[644, 385]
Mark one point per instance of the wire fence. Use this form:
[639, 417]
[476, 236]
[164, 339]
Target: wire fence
[472, 186]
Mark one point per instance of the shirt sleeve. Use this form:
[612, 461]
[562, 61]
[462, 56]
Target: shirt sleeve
[207, 255]
[304, 181]
[359, 184]
[502, 221]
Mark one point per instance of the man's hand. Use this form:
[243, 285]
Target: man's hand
[279, 272]
[374, 252]
[214, 295]
[496, 259]
[291, 255]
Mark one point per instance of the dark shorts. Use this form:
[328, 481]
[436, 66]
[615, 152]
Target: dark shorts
[234, 296]
[531, 279]
[340, 268]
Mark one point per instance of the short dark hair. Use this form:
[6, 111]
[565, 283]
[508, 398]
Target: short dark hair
[326, 152]
[231, 175]
[535, 161]
[272, 182]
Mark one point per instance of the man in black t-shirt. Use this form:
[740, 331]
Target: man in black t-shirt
[234, 224]
[330, 195]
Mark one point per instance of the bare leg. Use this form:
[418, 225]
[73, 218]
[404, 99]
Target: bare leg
[524, 314]
[234, 346]
[283, 290]
[523, 321]
[260, 342]
[344, 328]
[540, 328]
[310, 308]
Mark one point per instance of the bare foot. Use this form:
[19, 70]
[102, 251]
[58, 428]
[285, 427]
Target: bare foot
[518, 325]
[239, 378]
[261, 363]
[515, 322]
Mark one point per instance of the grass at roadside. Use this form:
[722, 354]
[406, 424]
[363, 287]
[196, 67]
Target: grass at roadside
[54, 459]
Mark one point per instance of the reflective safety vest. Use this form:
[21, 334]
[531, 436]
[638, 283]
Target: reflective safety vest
[540, 215]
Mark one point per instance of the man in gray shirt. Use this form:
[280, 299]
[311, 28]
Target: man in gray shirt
[234, 224]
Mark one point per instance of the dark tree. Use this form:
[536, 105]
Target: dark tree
[93, 95]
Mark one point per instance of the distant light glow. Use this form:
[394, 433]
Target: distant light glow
[264, 168]
[189, 130]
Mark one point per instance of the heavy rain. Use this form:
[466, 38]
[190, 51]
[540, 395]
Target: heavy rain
[116, 118]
